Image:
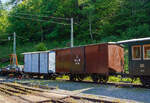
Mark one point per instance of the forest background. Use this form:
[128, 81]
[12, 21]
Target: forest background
[45, 24]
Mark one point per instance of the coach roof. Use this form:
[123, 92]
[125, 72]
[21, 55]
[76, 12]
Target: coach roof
[133, 40]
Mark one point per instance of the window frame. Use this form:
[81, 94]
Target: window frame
[140, 52]
[145, 45]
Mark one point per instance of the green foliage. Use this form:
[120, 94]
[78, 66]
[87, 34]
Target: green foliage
[118, 79]
[111, 20]
[137, 31]
[40, 47]
[3, 22]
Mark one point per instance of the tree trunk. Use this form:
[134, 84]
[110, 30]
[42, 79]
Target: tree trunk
[76, 4]
[93, 1]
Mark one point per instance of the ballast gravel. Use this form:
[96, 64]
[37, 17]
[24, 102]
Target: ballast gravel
[136, 94]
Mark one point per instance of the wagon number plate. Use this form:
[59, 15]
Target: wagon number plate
[141, 65]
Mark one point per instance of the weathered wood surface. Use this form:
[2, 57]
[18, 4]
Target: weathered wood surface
[16, 93]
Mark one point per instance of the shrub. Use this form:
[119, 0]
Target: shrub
[40, 47]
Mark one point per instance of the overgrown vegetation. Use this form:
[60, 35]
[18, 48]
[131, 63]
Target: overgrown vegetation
[40, 47]
[34, 22]
[111, 79]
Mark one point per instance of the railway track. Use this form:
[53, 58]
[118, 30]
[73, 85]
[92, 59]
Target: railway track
[24, 94]
[28, 94]
[116, 84]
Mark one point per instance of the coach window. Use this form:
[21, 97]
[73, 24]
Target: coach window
[136, 52]
[146, 51]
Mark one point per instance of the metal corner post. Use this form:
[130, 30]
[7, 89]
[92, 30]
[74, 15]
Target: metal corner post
[72, 33]
[14, 50]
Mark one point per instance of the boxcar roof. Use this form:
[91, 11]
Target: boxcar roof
[113, 43]
[35, 52]
[133, 40]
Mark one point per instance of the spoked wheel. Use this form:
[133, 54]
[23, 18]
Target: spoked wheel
[95, 78]
[145, 81]
[103, 79]
[80, 77]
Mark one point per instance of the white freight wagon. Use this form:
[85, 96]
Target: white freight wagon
[40, 62]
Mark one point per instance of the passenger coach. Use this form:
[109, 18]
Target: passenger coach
[139, 58]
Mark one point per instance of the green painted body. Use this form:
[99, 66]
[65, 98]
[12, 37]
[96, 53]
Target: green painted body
[138, 67]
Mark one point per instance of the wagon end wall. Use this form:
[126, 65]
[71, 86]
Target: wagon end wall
[116, 58]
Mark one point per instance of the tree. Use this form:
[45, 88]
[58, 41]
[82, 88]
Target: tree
[14, 2]
[98, 19]
[1, 5]
[3, 22]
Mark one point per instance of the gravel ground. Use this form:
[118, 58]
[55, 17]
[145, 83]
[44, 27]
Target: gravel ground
[137, 94]
[4, 98]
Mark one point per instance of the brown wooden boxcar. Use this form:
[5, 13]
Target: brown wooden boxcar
[104, 58]
[95, 60]
[70, 60]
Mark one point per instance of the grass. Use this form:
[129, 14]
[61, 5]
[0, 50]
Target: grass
[63, 77]
[111, 79]
[88, 78]
[119, 79]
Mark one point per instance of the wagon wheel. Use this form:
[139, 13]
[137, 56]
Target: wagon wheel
[23, 76]
[20, 76]
[95, 78]
[39, 77]
[46, 77]
[145, 81]
[80, 77]
[31, 76]
[103, 79]
[52, 77]
[72, 78]
[26, 76]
